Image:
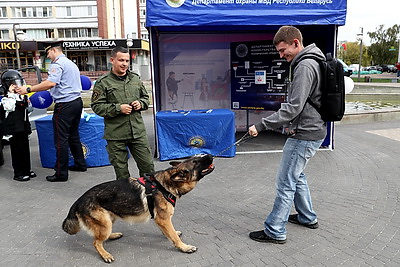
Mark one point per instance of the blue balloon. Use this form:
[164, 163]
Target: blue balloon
[41, 99]
[86, 82]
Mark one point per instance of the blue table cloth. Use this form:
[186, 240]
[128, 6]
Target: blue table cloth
[185, 133]
[91, 132]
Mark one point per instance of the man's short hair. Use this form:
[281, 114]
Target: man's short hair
[287, 34]
[118, 49]
[171, 72]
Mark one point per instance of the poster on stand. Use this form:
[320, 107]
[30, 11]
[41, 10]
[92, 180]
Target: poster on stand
[258, 76]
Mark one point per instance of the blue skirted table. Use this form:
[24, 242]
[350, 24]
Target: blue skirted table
[91, 132]
[185, 133]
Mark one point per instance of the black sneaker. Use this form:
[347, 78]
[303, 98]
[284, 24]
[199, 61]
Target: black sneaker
[260, 236]
[75, 168]
[32, 174]
[293, 219]
[21, 178]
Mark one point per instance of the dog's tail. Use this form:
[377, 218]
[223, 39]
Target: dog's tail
[71, 223]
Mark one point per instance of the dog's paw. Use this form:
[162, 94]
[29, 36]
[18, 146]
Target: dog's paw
[179, 233]
[114, 236]
[188, 249]
[108, 258]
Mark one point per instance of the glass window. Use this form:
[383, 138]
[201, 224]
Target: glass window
[29, 12]
[68, 33]
[39, 12]
[61, 11]
[94, 33]
[4, 34]
[36, 34]
[3, 12]
[68, 11]
[17, 12]
[74, 33]
[47, 12]
[83, 32]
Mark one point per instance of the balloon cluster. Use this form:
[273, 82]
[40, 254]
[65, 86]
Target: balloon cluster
[43, 99]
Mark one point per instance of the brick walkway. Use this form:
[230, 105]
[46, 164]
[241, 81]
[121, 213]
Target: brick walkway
[355, 191]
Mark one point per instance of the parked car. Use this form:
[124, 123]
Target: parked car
[347, 71]
[388, 68]
[370, 68]
[355, 67]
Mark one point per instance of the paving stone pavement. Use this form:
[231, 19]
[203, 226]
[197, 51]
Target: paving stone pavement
[355, 190]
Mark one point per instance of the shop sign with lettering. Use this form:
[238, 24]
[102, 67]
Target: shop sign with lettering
[93, 44]
[24, 46]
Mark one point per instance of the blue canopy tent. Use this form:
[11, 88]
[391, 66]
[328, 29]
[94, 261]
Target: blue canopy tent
[220, 52]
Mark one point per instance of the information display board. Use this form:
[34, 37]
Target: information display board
[258, 76]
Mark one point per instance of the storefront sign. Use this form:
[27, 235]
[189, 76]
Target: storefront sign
[94, 44]
[22, 46]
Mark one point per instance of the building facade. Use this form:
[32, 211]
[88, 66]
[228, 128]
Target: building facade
[88, 30]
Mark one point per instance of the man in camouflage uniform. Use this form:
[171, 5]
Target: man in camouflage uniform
[119, 96]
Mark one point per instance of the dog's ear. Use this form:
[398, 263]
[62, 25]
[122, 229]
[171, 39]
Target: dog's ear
[174, 163]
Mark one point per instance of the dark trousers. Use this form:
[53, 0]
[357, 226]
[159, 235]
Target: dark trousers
[20, 154]
[66, 119]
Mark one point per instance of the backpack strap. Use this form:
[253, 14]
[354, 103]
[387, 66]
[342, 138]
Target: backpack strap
[320, 62]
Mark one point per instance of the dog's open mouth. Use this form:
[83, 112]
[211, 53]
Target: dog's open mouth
[208, 170]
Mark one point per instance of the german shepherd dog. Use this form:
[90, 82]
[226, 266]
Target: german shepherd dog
[136, 200]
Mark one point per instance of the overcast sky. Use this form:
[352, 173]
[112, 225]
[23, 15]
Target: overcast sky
[368, 14]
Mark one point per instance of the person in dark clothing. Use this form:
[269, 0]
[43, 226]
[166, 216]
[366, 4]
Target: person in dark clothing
[172, 86]
[65, 87]
[15, 126]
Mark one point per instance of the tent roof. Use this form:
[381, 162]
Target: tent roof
[245, 12]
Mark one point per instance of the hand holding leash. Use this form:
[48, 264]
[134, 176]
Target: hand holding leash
[253, 131]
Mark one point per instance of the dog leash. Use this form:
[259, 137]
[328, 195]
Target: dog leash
[243, 139]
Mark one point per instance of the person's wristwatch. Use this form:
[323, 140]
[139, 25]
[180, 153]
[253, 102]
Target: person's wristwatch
[28, 89]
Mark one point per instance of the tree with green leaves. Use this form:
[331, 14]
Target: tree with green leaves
[352, 54]
[384, 45]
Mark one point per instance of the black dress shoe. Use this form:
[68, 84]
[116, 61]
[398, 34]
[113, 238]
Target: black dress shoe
[75, 168]
[32, 174]
[21, 178]
[54, 178]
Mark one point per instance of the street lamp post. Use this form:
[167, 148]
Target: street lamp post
[16, 45]
[398, 51]
[129, 43]
[360, 38]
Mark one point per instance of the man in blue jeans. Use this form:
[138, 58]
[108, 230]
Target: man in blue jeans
[306, 132]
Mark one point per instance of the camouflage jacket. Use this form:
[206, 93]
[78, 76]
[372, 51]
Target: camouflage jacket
[109, 92]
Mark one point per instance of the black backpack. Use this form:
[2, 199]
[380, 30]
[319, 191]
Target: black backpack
[332, 88]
